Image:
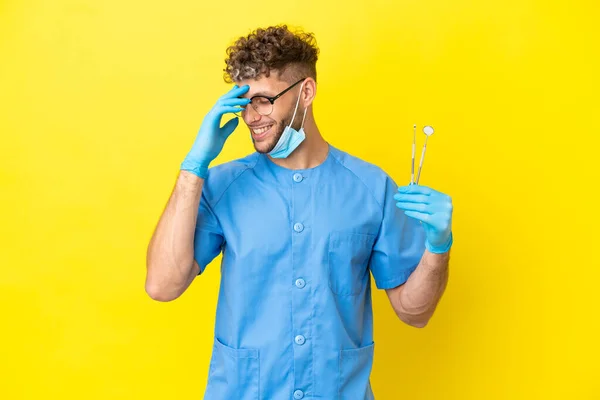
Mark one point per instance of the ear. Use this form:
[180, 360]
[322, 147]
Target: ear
[309, 91]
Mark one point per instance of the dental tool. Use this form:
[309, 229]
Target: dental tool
[412, 168]
[428, 131]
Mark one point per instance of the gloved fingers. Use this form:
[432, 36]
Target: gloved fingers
[438, 207]
[418, 216]
[419, 207]
[415, 189]
[412, 198]
[229, 127]
[441, 204]
[227, 109]
[233, 102]
[236, 91]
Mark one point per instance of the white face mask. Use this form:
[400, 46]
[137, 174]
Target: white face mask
[290, 138]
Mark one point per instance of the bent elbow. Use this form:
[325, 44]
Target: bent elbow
[168, 282]
[160, 294]
[413, 320]
[419, 324]
[160, 290]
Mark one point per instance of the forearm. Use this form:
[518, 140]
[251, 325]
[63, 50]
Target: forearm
[421, 293]
[170, 257]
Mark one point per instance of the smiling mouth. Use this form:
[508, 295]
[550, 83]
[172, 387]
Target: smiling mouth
[262, 131]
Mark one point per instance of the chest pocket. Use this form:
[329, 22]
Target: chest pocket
[348, 259]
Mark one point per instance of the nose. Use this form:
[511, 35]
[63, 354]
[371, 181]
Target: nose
[250, 115]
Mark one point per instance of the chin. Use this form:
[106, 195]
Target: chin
[263, 147]
[267, 144]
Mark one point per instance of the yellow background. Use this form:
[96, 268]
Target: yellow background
[101, 100]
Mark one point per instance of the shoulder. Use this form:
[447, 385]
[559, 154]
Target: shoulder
[373, 177]
[220, 177]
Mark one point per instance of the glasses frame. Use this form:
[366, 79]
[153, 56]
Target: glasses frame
[272, 99]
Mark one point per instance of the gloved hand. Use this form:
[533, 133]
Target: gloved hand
[211, 136]
[433, 209]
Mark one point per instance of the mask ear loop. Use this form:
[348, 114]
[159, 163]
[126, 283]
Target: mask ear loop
[296, 109]
[303, 118]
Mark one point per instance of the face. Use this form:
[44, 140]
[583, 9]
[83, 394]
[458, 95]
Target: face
[267, 129]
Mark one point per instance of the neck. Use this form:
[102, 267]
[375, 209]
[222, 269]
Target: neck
[310, 153]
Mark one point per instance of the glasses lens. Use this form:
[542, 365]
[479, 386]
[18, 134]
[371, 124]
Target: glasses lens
[262, 105]
[240, 113]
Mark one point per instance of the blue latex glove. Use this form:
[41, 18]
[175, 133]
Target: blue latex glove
[433, 209]
[211, 137]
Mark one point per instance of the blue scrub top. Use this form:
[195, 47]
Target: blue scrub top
[294, 316]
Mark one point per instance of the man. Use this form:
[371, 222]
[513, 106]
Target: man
[301, 225]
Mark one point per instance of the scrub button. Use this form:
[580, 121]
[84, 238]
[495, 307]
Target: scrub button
[298, 227]
[297, 177]
[298, 394]
[300, 283]
[300, 340]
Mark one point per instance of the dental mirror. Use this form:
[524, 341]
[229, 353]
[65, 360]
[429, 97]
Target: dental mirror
[428, 131]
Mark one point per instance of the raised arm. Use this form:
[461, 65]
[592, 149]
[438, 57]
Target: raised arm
[170, 262]
[170, 265]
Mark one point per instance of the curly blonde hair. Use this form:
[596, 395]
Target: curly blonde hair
[273, 48]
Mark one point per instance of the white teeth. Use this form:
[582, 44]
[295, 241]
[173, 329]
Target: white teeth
[262, 130]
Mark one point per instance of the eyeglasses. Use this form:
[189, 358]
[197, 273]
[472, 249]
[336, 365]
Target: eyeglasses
[263, 105]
